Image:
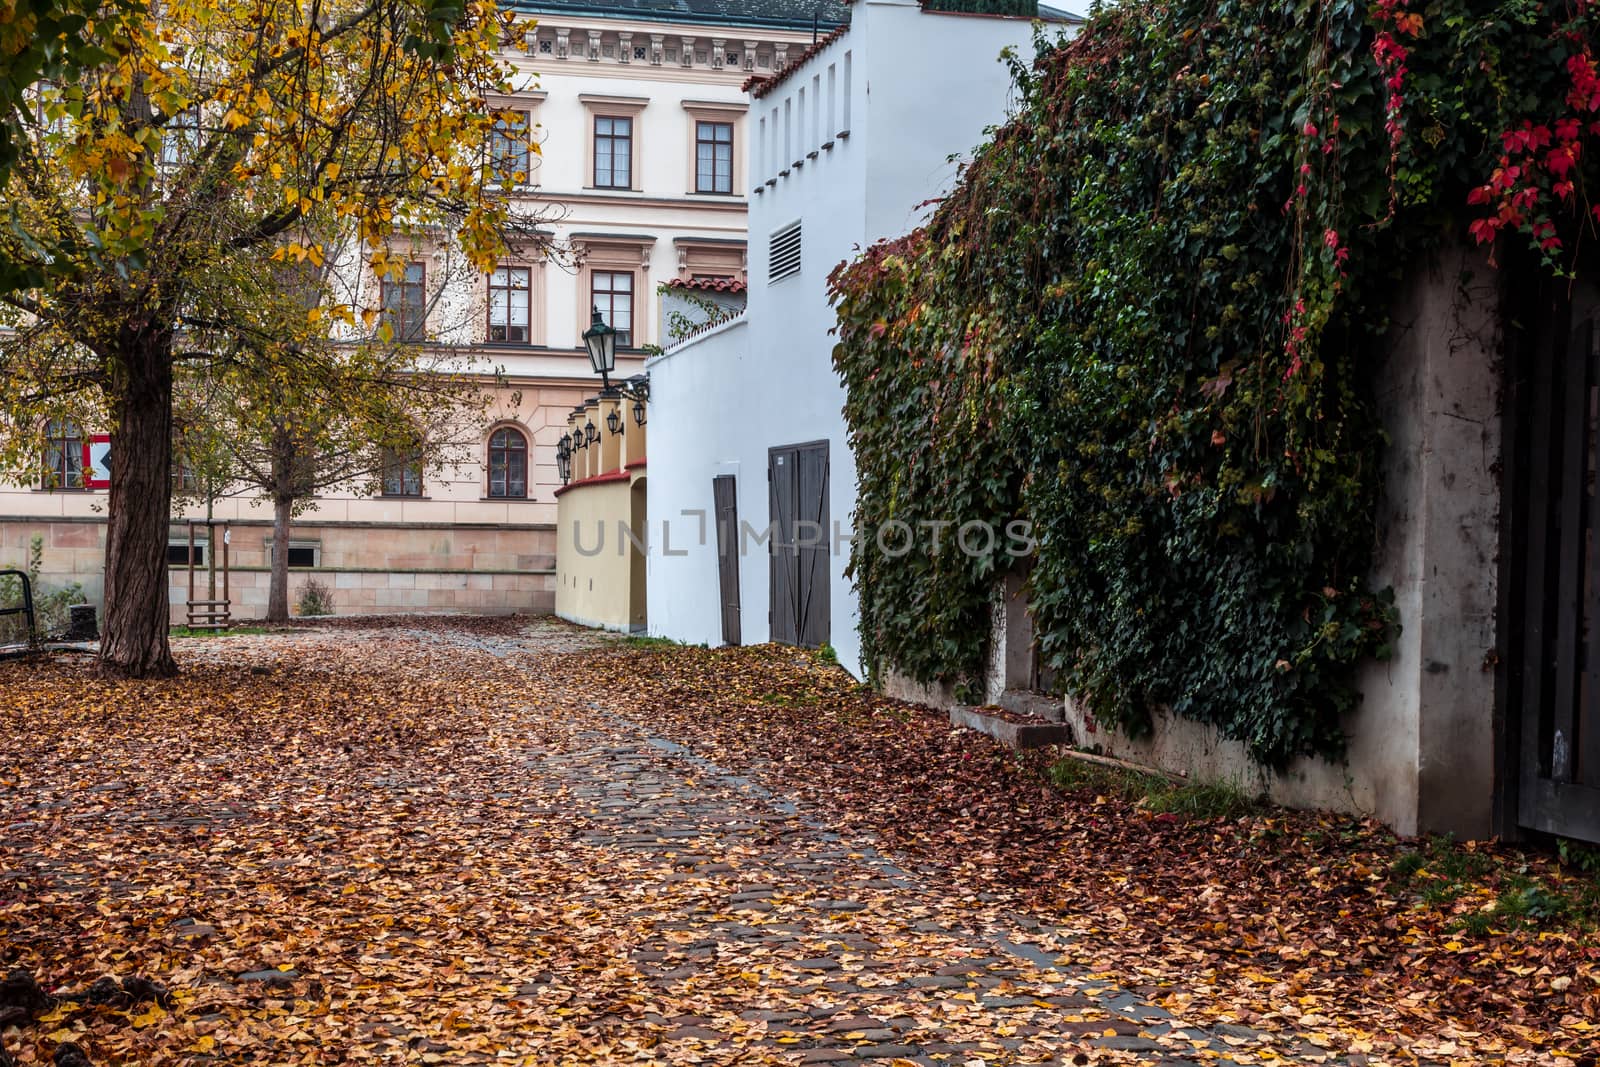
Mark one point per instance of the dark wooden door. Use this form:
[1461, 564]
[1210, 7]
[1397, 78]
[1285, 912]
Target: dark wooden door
[1555, 676]
[798, 496]
[725, 503]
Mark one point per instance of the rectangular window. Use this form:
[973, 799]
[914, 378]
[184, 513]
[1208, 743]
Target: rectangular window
[612, 293]
[178, 553]
[713, 157]
[402, 473]
[63, 456]
[301, 553]
[783, 254]
[180, 139]
[613, 152]
[510, 301]
[184, 477]
[405, 303]
[508, 148]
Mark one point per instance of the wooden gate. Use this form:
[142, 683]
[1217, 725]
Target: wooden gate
[797, 477]
[1553, 684]
[725, 504]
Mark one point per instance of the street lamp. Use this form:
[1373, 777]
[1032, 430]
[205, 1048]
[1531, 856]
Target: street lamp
[638, 412]
[590, 434]
[613, 422]
[601, 340]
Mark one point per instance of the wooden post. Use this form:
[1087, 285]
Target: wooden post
[227, 601]
[190, 605]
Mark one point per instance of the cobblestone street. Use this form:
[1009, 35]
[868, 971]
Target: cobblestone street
[524, 874]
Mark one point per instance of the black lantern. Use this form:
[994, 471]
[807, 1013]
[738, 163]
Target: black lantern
[577, 439]
[564, 465]
[601, 340]
[590, 434]
[613, 422]
[638, 412]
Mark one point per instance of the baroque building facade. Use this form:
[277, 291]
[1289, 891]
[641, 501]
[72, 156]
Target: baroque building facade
[626, 134]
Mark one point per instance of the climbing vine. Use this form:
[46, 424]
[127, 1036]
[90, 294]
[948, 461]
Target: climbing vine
[1148, 318]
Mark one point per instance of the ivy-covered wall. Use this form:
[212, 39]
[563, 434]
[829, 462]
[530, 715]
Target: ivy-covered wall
[1148, 320]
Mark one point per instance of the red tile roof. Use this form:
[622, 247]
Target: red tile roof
[708, 285]
[619, 475]
[758, 86]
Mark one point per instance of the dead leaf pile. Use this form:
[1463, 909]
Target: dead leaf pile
[1278, 919]
[484, 841]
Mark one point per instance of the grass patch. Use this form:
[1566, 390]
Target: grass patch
[1494, 893]
[640, 641]
[233, 631]
[1153, 792]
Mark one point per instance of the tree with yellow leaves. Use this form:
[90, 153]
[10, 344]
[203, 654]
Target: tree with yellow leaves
[161, 187]
[368, 412]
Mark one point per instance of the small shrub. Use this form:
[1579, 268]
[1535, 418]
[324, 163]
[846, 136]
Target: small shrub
[50, 608]
[316, 598]
[827, 654]
[1585, 858]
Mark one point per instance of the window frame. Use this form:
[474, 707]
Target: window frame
[717, 164]
[408, 464]
[716, 112]
[401, 323]
[314, 547]
[625, 337]
[504, 141]
[524, 450]
[178, 552]
[613, 138]
[510, 270]
[185, 479]
[66, 439]
[180, 139]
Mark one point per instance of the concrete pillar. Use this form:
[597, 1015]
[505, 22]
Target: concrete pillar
[633, 440]
[610, 443]
[1438, 542]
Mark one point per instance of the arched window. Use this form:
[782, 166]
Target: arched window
[63, 455]
[508, 463]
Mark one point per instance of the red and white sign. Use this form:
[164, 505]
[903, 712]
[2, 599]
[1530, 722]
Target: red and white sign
[97, 462]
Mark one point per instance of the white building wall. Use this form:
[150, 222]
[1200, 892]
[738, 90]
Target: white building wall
[849, 144]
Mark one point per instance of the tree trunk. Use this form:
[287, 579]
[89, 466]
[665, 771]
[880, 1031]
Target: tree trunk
[278, 592]
[137, 608]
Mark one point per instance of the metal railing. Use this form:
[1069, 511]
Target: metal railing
[26, 610]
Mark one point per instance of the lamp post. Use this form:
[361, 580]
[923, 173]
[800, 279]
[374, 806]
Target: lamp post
[601, 340]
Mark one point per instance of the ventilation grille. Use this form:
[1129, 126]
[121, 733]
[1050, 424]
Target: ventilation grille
[783, 261]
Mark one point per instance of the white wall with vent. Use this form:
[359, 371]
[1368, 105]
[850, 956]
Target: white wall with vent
[845, 149]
